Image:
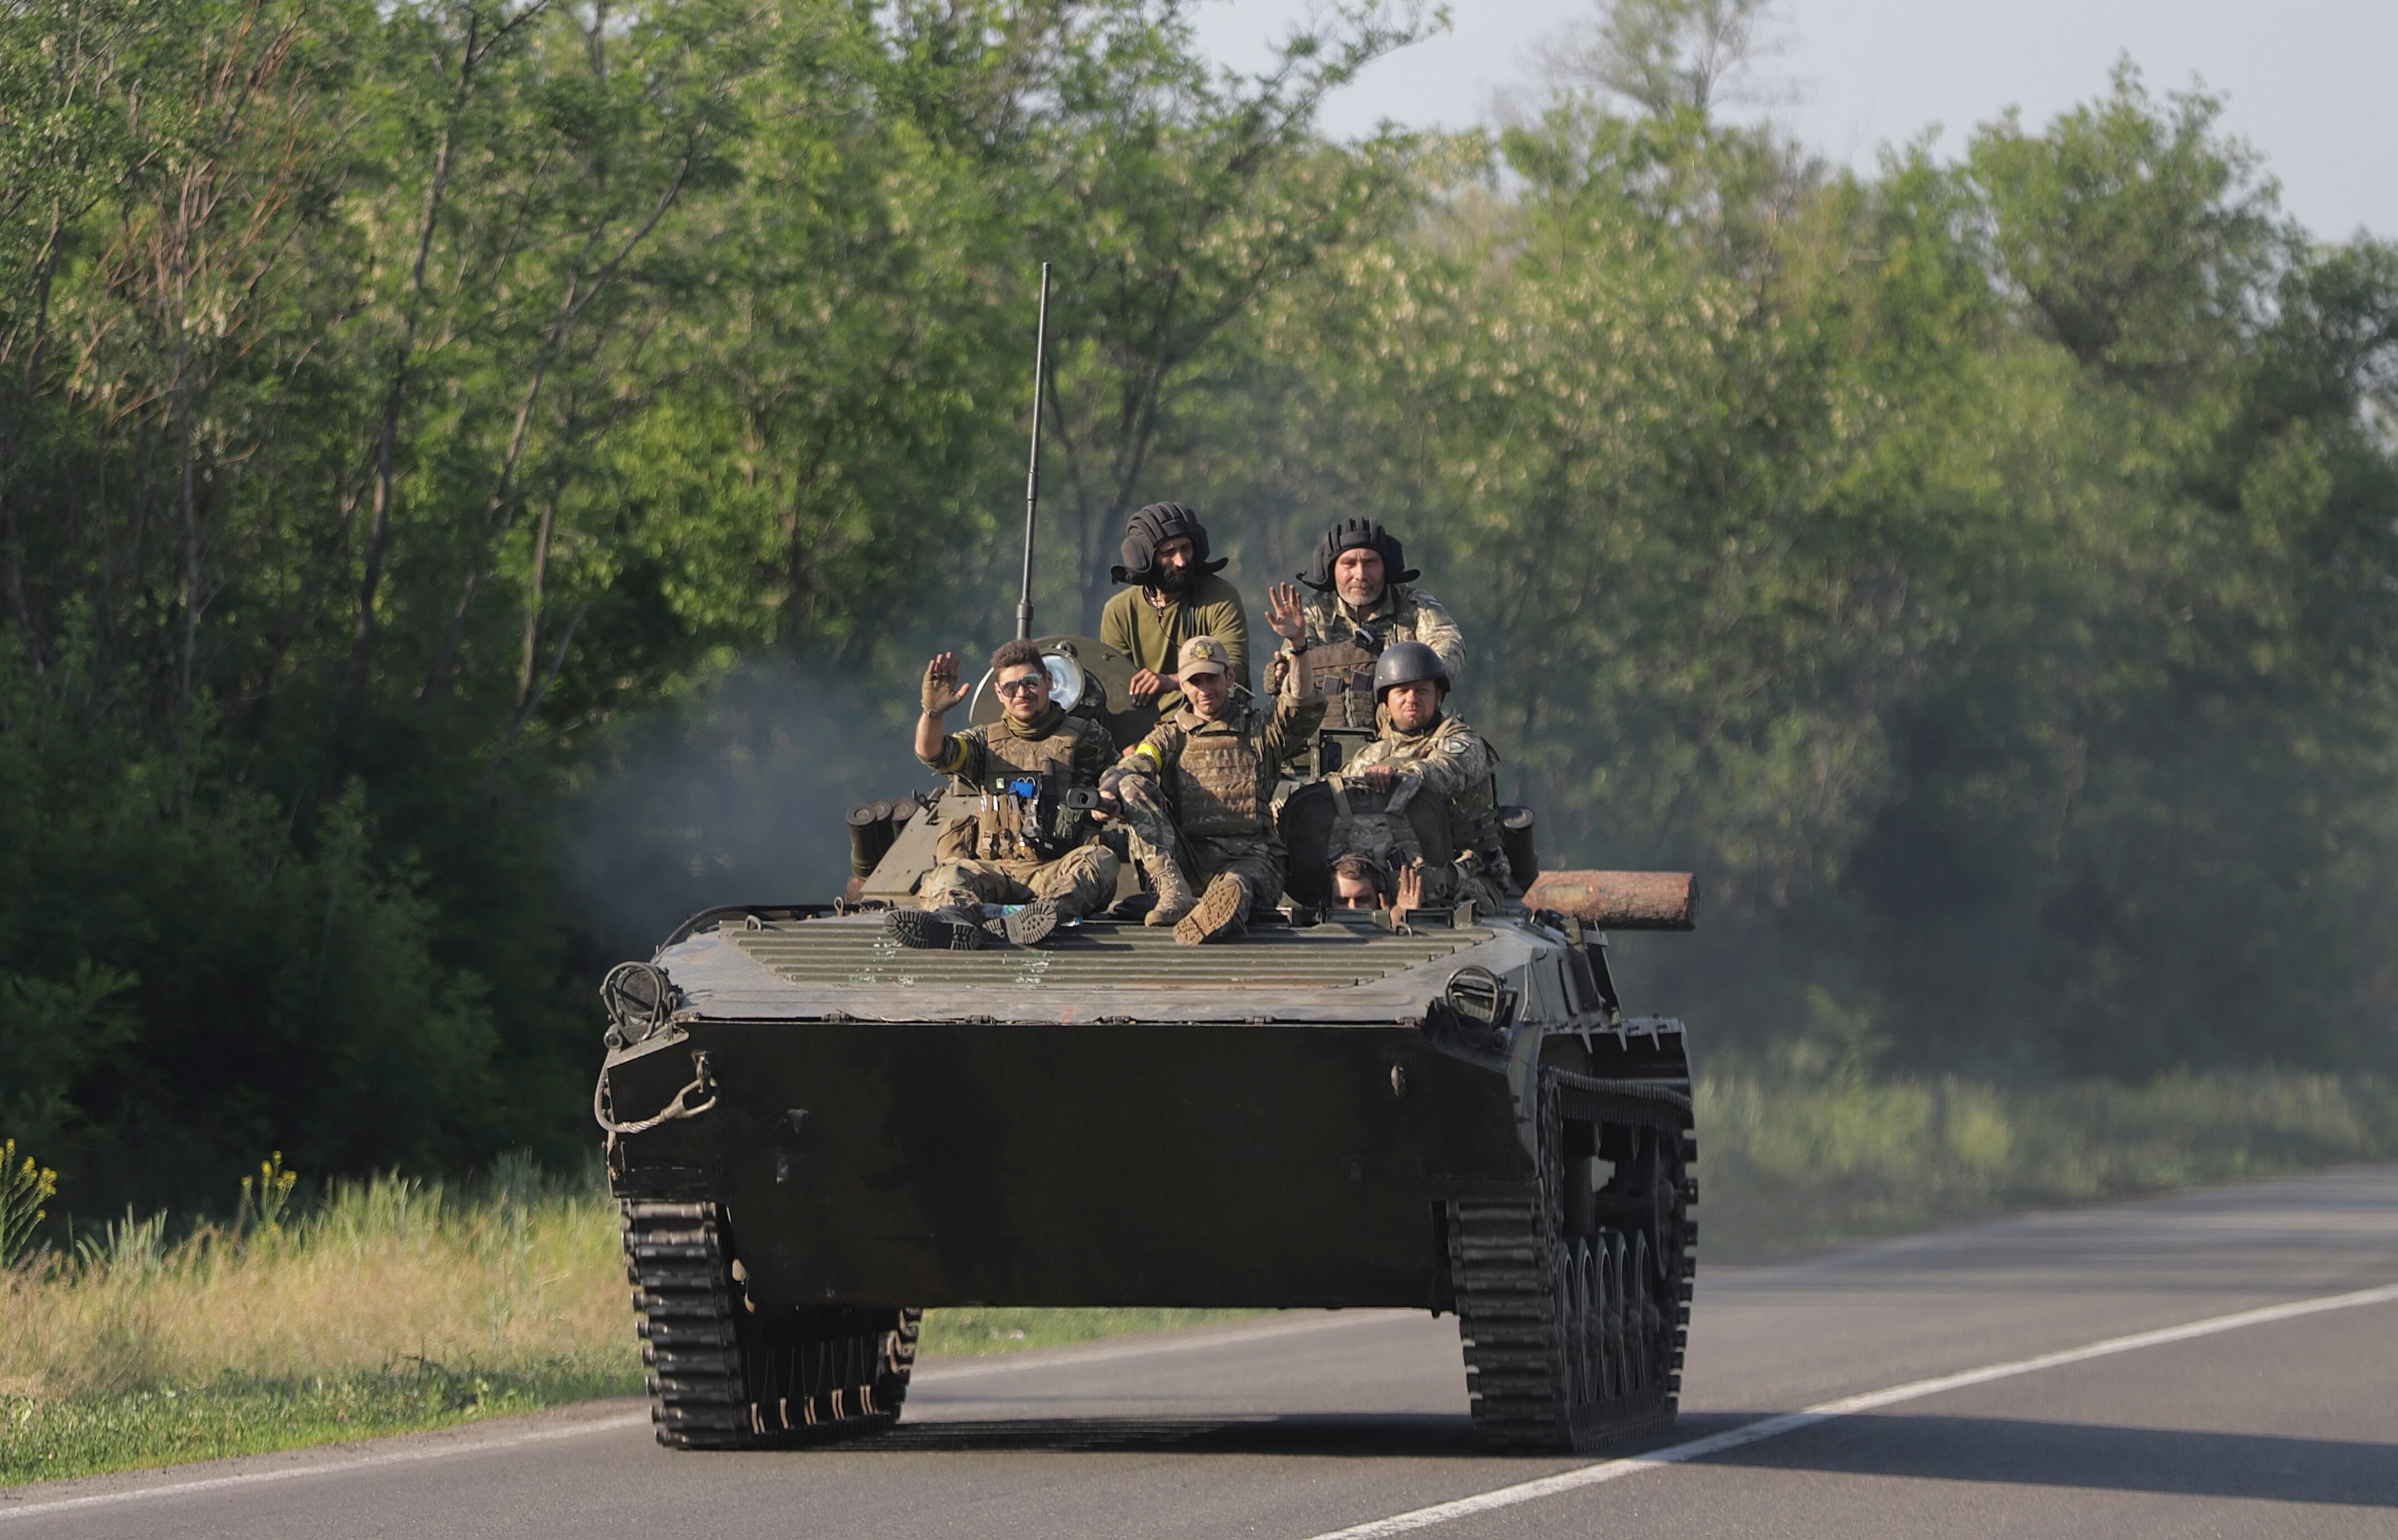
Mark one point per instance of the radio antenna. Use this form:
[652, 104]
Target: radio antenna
[1033, 468]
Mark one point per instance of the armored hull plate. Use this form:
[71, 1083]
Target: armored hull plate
[846, 968]
[1111, 1118]
[1196, 1164]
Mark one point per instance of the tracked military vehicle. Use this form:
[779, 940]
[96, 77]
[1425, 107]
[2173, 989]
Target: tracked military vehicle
[815, 1135]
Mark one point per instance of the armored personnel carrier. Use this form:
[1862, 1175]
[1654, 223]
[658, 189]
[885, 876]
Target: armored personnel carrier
[815, 1135]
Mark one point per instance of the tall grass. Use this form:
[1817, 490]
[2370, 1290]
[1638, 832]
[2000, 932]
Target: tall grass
[25, 1186]
[392, 1304]
[383, 1274]
[1790, 1161]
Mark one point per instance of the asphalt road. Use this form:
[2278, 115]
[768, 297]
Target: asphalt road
[2020, 1378]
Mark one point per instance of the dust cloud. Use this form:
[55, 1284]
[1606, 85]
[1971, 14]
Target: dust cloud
[732, 795]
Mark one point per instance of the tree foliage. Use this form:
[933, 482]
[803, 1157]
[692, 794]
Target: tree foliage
[418, 422]
[1984, 573]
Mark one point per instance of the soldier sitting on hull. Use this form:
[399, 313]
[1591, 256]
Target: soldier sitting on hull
[1023, 845]
[1366, 600]
[1176, 595]
[1206, 779]
[1421, 743]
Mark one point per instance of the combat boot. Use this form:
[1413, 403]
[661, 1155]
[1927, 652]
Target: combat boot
[1027, 927]
[1175, 898]
[949, 929]
[1218, 911]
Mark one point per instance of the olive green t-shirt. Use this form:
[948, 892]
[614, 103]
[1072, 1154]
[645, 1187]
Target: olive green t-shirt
[1151, 636]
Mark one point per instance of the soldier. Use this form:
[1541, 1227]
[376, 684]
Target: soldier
[1363, 880]
[1023, 845]
[1366, 600]
[1176, 595]
[1421, 743]
[1214, 764]
[1360, 881]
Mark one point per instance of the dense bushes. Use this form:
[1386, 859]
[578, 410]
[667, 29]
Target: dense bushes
[182, 983]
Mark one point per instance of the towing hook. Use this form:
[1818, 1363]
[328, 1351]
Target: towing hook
[703, 1081]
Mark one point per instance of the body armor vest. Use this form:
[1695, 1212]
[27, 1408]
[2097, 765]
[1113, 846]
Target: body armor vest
[1343, 660]
[1344, 672]
[1217, 790]
[1019, 812]
[1472, 820]
[1373, 823]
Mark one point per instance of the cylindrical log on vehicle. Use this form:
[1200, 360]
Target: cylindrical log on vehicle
[871, 834]
[1620, 901]
[1515, 838]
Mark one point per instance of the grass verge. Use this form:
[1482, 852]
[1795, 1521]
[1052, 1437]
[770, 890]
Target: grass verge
[48, 1438]
[1788, 1164]
[390, 1305]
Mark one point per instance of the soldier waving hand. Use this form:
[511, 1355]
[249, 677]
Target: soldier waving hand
[1022, 846]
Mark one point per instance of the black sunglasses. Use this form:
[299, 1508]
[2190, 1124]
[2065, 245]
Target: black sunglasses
[1017, 686]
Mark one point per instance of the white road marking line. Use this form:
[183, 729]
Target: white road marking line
[934, 1373]
[1790, 1422]
[410, 1456]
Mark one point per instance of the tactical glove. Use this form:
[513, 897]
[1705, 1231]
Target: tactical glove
[941, 691]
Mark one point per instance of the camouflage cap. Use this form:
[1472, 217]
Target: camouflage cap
[1203, 655]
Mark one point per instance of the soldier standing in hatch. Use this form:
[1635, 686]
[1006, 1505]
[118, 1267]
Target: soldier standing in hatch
[1422, 744]
[1208, 775]
[1366, 599]
[1176, 595]
[1023, 845]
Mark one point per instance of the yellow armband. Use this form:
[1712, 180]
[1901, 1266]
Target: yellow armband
[953, 757]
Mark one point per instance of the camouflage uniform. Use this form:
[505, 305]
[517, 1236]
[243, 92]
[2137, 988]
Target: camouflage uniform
[1344, 671]
[994, 856]
[1213, 783]
[1453, 759]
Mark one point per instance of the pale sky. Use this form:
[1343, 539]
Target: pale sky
[2307, 80]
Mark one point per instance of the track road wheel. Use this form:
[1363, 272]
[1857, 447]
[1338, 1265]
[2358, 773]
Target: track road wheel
[1571, 1300]
[725, 1374]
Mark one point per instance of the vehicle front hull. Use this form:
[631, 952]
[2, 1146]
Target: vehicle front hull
[1234, 1164]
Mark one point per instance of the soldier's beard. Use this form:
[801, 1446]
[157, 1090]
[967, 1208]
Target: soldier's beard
[1173, 579]
[1014, 711]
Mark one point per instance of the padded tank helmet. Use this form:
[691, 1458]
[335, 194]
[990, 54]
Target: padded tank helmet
[1150, 529]
[1406, 663]
[1354, 534]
